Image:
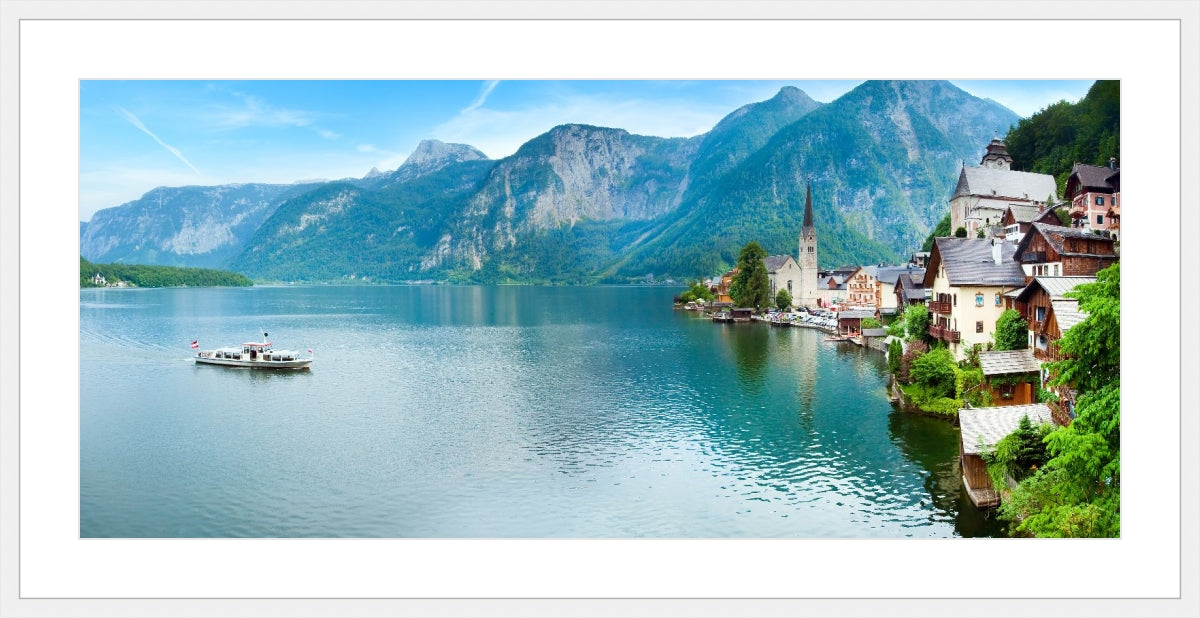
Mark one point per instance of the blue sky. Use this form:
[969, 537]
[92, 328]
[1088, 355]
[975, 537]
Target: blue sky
[137, 135]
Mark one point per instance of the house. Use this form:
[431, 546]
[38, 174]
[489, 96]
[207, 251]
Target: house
[980, 430]
[966, 279]
[1017, 220]
[784, 273]
[1092, 191]
[919, 259]
[99, 280]
[831, 290]
[886, 280]
[1050, 313]
[861, 287]
[1010, 376]
[726, 283]
[1055, 250]
[984, 193]
[910, 290]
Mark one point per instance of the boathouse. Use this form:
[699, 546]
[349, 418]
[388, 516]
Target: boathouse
[981, 429]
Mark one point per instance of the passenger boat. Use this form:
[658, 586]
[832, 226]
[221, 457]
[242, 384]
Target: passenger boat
[256, 355]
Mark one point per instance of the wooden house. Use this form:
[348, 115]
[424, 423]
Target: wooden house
[1050, 313]
[910, 290]
[1011, 377]
[980, 430]
[1058, 251]
[1019, 218]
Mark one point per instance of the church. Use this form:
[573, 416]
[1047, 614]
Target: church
[807, 257]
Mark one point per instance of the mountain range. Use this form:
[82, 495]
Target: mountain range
[581, 203]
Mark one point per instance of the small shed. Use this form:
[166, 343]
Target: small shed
[980, 430]
[850, 322]
[1009, 375]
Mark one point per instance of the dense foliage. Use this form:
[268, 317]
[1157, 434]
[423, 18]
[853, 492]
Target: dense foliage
[1054, 139]
[696, 291]
[751, 286]
[917, 321]
[143, 276]
[1078, 492]
[934, 373]
[1018, 454]
[895, 351]
[1012, 333]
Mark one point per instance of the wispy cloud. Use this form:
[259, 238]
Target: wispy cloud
[256, 112]
[487, 89]
[135, 121]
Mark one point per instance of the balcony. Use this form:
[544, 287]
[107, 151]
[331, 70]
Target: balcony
[1078, 210]
[942, 307]
[935, 332]
[952, 336]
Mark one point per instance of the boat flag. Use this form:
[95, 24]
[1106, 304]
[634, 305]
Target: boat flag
[195, 343]
[310, 351]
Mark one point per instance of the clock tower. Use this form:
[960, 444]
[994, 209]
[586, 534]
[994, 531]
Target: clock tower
[807, 259]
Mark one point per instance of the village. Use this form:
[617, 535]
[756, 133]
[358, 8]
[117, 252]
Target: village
[1016, 255]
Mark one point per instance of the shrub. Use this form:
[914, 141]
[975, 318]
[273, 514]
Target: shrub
[895, 352]
[912, 352]
[935, 372]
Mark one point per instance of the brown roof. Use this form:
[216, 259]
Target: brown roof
[1054, 235]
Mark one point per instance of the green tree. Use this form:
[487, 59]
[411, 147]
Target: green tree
[961, 232]
[783, 299]
[1078, 492]
[942, 229]
[870, 323]
[1012, 333]
[934, 372]
[895, 351]
[751, 287]
[917, 320]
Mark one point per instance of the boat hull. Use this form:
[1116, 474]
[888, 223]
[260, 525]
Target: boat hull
[255, 364]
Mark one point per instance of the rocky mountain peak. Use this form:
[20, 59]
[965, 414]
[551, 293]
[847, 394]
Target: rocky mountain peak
[432, 155]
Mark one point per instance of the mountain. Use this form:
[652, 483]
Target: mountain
[183, 226]
[431, 156]
[883, 160]
[581, 203]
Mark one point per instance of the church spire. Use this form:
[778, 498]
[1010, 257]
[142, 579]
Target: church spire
[808, 218]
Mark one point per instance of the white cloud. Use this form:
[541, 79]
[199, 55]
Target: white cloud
[487, 89]
[135, 121]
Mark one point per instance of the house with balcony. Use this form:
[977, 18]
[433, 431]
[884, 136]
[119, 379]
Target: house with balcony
[1018, 219]
[1058, 251]
[1049, 313]
[984, 193]
[967, 279]
[861, 287]
[1092, 191]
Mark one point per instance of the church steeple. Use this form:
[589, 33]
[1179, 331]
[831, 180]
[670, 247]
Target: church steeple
[808, 218]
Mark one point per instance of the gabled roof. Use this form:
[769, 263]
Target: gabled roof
[776, 262]
[1092, 176]
[1000, 183]
[982, 428]
[1055, 234]
[1025, 214]
[1001, 362]
[969, 261]
[854, 314]
[1067, 313]
[1056, 287]
[890, 274]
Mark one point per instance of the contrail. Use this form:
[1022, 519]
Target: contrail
[171, 149]
[488, 87]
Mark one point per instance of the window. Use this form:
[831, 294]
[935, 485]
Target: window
[1099, 219]
[997, 299]
[979, 327]
[810, 249]
[955, 300]
[1099, 200]
[789, 285]
[1056, 270]
[1040, 314]
[979, 299]
[1006, 391]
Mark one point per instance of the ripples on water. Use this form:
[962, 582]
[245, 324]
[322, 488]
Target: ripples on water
[494, 412]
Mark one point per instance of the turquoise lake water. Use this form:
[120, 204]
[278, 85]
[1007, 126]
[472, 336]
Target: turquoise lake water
[479, 412]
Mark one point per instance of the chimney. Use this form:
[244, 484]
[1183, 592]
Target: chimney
[1112, 163]
[996, 254]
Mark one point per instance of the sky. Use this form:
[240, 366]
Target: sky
[141, 134]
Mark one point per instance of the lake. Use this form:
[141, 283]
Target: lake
[481, 412]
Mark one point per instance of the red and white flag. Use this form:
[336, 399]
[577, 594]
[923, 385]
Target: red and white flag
[195, 343]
